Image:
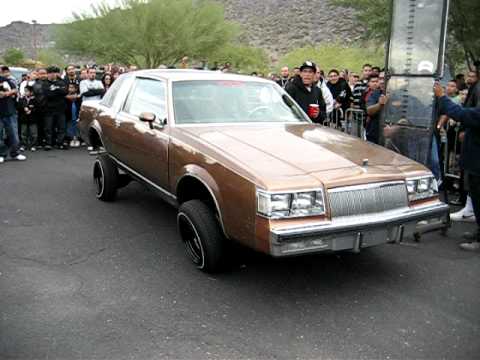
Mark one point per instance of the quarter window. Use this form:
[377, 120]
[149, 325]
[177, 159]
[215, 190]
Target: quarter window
[112, 92]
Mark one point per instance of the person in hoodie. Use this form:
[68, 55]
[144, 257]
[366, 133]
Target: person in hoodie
[55, 93]
[27, 114]
[340, 90]
[304, 91]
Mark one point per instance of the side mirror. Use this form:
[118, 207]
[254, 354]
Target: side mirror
[148, 117]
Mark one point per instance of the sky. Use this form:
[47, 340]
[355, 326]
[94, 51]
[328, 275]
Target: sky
[43, 11]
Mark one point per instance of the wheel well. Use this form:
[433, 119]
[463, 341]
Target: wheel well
[191, 188]
[94, 138]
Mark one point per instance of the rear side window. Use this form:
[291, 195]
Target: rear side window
[148, 96]
[110, 95]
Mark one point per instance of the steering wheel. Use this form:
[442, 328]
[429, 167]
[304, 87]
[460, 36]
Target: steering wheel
[258, 109]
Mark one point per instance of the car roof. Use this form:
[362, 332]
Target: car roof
[188, 74]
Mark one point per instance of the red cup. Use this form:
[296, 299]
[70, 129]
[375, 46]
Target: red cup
[313, 110]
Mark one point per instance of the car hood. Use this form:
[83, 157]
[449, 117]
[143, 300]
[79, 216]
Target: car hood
[273, 153]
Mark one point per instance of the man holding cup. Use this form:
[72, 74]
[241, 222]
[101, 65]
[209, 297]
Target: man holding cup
[308, 96]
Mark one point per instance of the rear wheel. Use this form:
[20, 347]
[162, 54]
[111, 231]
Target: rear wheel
[105, 176]
[202, 235]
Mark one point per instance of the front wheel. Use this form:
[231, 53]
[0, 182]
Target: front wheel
[105, 176]
[202, 235]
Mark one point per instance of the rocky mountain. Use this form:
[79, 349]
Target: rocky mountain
[281, 25]
[275, 25]
[26, 37]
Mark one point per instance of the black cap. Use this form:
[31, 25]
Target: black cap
[308, 64]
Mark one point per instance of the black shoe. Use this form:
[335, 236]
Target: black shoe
[47, 148]
[456, 202]
[471, 236]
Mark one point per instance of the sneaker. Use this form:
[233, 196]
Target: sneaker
[47, 148]
[90, 148]
[19, 157]
[2, 159]
[33, 149]
[77, 143]
[22, 148]
[462, 215]
[471, 246]
[72, 143]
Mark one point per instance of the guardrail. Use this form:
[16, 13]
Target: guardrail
[352, 121]
[451, 150]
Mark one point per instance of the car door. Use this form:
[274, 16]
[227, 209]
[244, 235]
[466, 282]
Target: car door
[143, 149]
[109, 107]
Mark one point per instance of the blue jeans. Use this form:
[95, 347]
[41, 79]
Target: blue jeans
[9, 125]
[435, 160]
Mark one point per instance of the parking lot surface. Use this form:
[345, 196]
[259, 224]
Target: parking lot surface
[82, 279]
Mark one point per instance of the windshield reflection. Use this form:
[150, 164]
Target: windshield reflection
[226, 101]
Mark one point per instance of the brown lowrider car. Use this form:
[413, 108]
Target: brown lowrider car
[242, 162]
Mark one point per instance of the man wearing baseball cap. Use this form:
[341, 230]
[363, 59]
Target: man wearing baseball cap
[470, 119]
[55, 93]
[308, 96]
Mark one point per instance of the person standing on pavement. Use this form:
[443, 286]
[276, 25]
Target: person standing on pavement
[327, 95]
[470, 119]
[91, 88]
[39, 92]
[361, 86]
[28, 124]
[71, 75]
[8, 120]
[55, 116]
[472, 100]
[284, 77]
[304, 91]
[340, 90]
[374, 100]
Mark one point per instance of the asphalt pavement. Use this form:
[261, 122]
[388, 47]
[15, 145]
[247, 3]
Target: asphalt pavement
[82, 279]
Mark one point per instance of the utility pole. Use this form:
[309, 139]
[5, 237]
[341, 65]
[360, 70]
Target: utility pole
[34, 38]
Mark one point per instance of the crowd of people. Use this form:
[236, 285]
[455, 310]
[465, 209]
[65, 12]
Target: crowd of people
[41, 112]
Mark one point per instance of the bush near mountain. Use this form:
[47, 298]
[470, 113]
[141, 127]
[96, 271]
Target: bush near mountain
[274, 25]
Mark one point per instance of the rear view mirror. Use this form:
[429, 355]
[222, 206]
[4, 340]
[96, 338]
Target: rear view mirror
[148, 117]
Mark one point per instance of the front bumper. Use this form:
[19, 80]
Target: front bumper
[354, 232]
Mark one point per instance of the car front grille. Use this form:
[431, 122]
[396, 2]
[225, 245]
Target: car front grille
[367, 199]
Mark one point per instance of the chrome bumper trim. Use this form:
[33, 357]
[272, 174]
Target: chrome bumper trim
[359, 223]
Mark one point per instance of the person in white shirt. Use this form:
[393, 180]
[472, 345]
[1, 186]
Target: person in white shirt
[91, 88]
[327, 95]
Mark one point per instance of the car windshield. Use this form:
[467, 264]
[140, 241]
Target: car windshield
[227, 101]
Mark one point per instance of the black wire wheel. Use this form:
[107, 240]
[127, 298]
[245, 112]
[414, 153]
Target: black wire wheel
[202, 235]
[105, 177]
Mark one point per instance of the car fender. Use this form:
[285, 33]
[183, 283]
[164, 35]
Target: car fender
[202, 175]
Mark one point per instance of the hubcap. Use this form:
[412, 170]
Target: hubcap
[98, 178]
[191, 239]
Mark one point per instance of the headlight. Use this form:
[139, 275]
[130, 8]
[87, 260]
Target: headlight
[422, 188]
[290, 205]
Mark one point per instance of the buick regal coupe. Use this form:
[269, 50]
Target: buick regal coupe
[243, 163]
